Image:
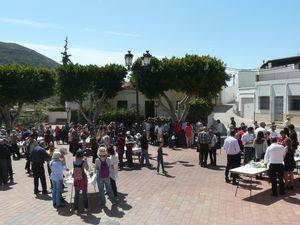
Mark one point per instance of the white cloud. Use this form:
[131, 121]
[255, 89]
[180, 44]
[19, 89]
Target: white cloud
[80, 55]
[122, 34]
[30, 23]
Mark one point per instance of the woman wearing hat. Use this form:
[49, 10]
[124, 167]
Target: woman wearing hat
[103, 166]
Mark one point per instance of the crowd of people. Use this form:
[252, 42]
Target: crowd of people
[257, 143]
[109, 144]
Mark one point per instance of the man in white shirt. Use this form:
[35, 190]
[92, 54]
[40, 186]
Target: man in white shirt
[273, 132]
[262, 127]
[233, 151]
[275, 157]
[247, 140]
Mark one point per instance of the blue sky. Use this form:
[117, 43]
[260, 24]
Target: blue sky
[240, 32]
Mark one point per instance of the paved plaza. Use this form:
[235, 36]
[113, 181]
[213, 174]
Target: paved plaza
[189, 194]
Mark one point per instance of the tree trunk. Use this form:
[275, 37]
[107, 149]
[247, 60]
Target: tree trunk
[81, 109]
[9, 119]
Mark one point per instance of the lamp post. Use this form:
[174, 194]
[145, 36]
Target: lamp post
[145, 62]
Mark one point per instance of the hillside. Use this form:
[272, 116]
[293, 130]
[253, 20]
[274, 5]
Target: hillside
[11, 53]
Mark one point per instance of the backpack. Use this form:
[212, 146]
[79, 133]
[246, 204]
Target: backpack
[78, 171]
[104, 170]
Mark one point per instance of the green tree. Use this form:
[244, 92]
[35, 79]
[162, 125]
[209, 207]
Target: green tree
[20, 85]
[194, 76]
[65, 56]
[90, 86]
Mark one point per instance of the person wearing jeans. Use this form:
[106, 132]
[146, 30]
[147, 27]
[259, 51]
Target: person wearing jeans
[144, 153]
[203, 144]
[56, 177]
[103, 168]
[247, 140]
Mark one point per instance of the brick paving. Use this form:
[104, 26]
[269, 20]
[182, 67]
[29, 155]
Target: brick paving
[188, 195]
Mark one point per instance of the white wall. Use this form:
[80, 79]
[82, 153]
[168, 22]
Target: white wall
[53, 116]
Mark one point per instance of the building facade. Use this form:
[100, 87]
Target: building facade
[278, 90]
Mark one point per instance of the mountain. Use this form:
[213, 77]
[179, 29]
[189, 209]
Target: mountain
[11, 53]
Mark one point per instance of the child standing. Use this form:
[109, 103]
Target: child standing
[160, 160]
[80, 180]
[56, 176]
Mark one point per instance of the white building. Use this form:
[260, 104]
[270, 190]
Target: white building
[246, 93]
[278, 90]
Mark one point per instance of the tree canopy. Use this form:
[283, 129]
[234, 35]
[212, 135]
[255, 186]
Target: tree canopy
[89, 84]
[22, 84]
[194, 76]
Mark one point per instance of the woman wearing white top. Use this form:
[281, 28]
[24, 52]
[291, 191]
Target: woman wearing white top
[113, 170]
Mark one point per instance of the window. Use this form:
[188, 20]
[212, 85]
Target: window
[264, 102]
[122, 104]
[294, 103]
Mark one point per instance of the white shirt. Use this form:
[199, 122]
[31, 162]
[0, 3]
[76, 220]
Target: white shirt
[259, 129]
[231, 146]
[274, 154]
[273, 134]
[247, 139]
[287, 123]
[113, 170]
[213, 140]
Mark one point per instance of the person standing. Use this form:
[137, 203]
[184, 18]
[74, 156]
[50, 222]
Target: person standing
[232, 122]
[262, 127]
[286, 125]
[14, 144]
[80, 180]
[103, 168]
[120, 145]
[289, 164]
[260, 146]
[113, 170]
[293, 137]
[144, 147]
[203, 144]
[32, 143]
[274, 157]
[188, 134]
[9, 161]
[213, 147]
[233, 151]
[57, 168]
[160, 159]
[38, 156]
[273, 133]
[4, 154]
[247, 140]
[129, 141]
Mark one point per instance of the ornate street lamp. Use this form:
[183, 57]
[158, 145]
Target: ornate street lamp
[128, 60]
[145, 62]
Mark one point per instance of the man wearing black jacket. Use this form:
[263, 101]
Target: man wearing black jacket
[4, 154]
[38, 156]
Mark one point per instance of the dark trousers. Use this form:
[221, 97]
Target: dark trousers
[204, 148]
[16, 151]
[9, 169]
[114, 187]
[129, 157]
[233, 161]
[276, 172]
[121, 163]
[39, 173]
[213, 155]
[3, 171]
[160, 161]
[28, 163]
[249, 154]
